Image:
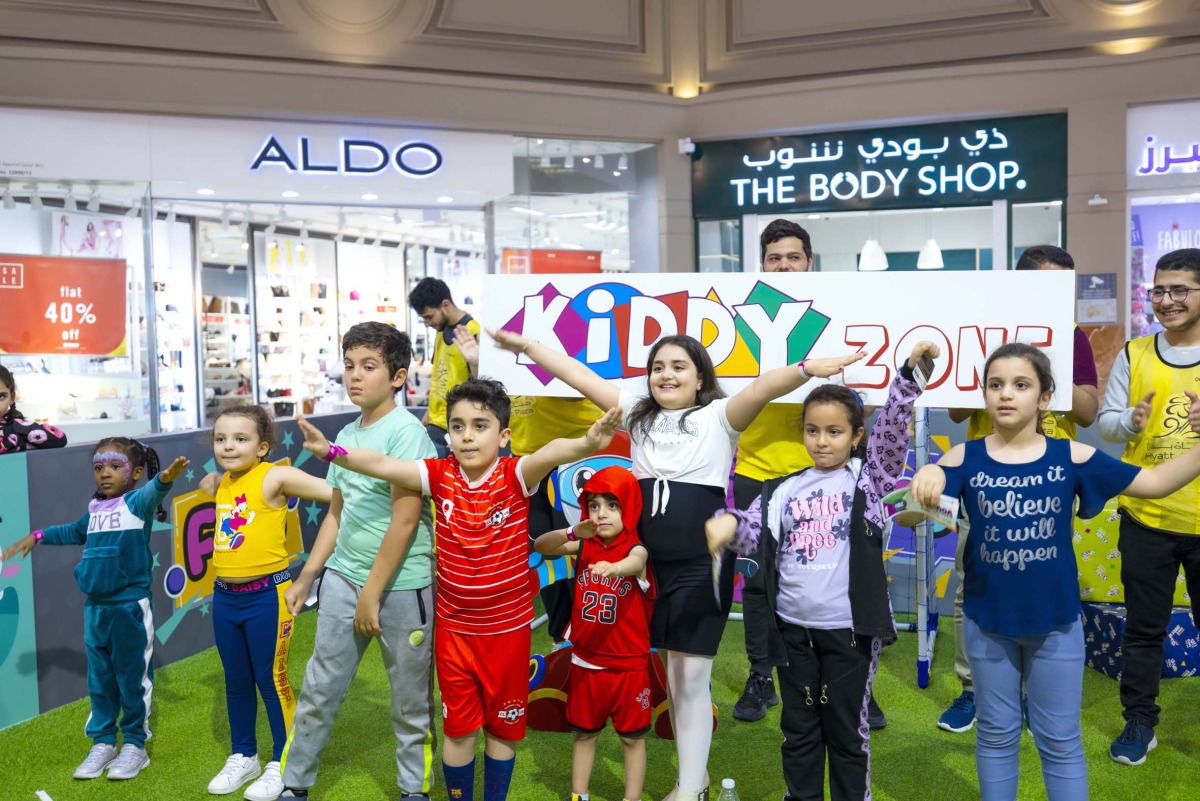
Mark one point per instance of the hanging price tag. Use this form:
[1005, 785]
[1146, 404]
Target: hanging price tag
[62, 305]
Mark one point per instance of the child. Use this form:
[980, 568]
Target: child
[610, 626]
[822, 565]
[483, 606]
[378, 545]
[1021, 594]
[16, 432]
[251, 623]
[115, 575]
[682, 435]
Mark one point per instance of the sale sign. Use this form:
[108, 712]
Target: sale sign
[751, 323]
[62, 305]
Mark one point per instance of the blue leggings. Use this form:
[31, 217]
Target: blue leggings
[254, 633]
[1052, 668]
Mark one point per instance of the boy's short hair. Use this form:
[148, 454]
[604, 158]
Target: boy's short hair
[389, 342]
[782, 229]
[429, 293]
[487, 393]
[1033, 258]
[1182, 259]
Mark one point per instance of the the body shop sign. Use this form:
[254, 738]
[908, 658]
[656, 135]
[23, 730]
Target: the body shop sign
[62, 305]
[1023, 159]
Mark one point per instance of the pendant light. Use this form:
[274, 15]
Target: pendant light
[930, 257]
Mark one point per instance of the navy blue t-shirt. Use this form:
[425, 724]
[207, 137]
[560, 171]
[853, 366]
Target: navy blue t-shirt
[1019, 564]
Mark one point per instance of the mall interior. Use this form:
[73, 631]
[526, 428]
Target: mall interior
[264, 174]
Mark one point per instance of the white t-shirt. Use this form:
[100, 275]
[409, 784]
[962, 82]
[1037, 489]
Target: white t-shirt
[700, 453]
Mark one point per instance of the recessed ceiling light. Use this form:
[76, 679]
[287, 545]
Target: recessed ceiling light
[291, 193]
[445, 199]
[370, 196]
[814, 216]
[541, 141]
[205, 192]
[616, 173]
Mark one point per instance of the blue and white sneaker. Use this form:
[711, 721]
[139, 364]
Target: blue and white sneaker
[1131, 747]
[960, 716]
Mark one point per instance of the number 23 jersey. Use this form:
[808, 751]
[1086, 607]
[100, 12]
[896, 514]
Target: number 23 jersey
[610, 620]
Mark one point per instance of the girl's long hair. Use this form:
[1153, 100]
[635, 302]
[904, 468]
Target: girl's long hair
[641, 418]
[838, 395]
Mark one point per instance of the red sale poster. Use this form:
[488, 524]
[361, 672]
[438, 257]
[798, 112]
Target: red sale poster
[520, 261]
[62, 305]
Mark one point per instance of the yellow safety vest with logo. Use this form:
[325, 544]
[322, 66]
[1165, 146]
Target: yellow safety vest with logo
[1166, 436]
[1055, 425]
[449, 370]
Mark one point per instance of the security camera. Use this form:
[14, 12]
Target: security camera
[686, 146]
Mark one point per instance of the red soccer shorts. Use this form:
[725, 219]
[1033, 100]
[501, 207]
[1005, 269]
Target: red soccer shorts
[595, 695]
[484, 679]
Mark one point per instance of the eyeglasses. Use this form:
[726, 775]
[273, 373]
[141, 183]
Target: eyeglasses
[1177, 293]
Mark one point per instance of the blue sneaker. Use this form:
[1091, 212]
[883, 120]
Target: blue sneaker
[960, 716]
[1134, 743]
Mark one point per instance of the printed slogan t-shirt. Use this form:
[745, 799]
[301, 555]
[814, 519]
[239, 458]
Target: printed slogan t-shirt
[1020, 576]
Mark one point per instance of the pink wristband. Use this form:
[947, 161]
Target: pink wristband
[571, 534]
[39, 535]
[335, 451]
[804, 369]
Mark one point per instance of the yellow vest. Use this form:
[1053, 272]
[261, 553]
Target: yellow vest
[250, 537]
[1166, 436]
[1055, 425]
[538, 420]
[449, 370]
[773, 445]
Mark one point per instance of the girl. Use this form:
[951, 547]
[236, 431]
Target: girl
[682, 434]
[1021, 587]
[115, 575]
[16, 432]
[822, 564]
[251, 621]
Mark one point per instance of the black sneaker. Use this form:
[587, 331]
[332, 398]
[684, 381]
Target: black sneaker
[756, 698]
[294, 792]
[876, 720]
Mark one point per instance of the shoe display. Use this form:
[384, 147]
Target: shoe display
[876, 720]
[268, 786]
[1131, 747]
[100, 757]
[757, 697]
[237, 771]
[129, 763]
[960, 716]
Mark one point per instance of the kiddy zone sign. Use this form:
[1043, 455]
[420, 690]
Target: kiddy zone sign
[945, 164]
[753, 323]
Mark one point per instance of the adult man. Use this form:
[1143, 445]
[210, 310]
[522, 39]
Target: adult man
[432, 301]
[1151, 388]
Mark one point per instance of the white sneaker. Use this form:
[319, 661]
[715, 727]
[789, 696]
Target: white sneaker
[237, 771]
[129, 763]
[269, 784]
[100, 757]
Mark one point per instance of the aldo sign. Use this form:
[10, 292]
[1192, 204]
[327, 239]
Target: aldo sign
[349, 157]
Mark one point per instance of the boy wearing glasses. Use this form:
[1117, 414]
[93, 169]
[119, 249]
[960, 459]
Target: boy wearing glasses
[1151, 389]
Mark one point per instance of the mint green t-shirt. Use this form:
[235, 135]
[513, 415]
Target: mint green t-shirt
[367, 503]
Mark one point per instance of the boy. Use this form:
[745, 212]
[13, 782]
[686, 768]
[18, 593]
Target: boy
[610, 626]
[483, 607]
[378, 544]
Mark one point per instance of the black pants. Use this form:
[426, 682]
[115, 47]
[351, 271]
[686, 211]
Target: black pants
[1150, 563]
[756, 614]
[825, 688]
[558, 596]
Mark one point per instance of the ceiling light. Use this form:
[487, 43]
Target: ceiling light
[341, 218]
[623, 162]
[547, 162]
[616, 173]
[170, 213]
[245, 246]
[69, 203]
[361, 239]
[304, 230]
[814, 216]
[586, 160]
[205, 192]
[283, 215]
[339, 236]
[225, 217]
[270, 229]
[445, 199]
[396, 218]
[291, 193]
[10, 202]
[872, 258]
[569, 162]
[599, 161]
[370, 196]
[35, 201]
[1097, 200]
[930, 257]
[541, 141]
[134, 211]
[378, 239]
[229, 269]
[93, 203]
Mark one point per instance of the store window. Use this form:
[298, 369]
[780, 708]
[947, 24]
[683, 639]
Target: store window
[227, 334]
[719, 246]
[75, 333]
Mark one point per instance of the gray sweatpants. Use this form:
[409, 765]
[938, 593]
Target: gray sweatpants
[406, 617]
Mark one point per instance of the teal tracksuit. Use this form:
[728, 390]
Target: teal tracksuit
[118, 622]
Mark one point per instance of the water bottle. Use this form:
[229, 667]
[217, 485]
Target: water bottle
[728, 791]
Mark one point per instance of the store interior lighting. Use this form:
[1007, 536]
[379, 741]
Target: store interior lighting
[69, 201]
[134, 212]
[10, 202]
[599, 161]
[623, 163]
[930, 257]
[93, 203]
[35, 201]
[873, 258]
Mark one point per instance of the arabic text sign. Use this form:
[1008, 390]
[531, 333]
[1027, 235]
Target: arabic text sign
[945, 164]
[755, 322]
[1163, 144]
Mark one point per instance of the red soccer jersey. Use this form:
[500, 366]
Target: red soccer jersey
[610, 620]
[482, 533]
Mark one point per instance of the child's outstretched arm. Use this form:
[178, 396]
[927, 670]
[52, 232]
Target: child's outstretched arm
[887, 446]
[734, 529]
[63, 534]
[538, 464]
[292, 482]
[632, 565]
[403, 473]
[577, 375]
[556, 543]
[745, 406]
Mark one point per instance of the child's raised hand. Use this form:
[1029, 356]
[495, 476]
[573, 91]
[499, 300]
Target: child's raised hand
[831, 365]
[604, 570]
[314, 440]
[923, 348]
[927, 485]
[510, 341]
[584, 529]
[1141, 412]
[720, 531]
[174, 470]
[468, 346]
[603, 430]
[22, 546]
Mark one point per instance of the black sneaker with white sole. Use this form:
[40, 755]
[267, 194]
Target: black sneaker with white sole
[757, 697]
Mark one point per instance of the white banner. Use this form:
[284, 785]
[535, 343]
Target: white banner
[755, 322]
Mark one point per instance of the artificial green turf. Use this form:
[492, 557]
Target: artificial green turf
[911, 759]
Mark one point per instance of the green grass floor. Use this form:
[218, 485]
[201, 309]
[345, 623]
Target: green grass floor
[911, 759]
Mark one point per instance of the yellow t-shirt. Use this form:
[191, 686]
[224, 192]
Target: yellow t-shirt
[773, 445]
[1166, 436]
[449, 370]
[1055, 425]
[538, 420]
[250, 537]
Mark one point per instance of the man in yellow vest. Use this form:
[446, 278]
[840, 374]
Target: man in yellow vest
[1152, 386]
[1085, 398]
[772, 446]
[433, 303]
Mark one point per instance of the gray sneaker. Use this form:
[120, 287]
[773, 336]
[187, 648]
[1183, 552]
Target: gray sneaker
[129, 763]
[99, 758]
